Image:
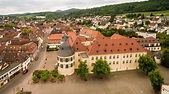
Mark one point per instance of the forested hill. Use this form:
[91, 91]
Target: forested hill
[146, 6]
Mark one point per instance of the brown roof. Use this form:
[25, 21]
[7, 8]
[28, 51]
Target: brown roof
[114, 46]
[91, 33]
[147, 40]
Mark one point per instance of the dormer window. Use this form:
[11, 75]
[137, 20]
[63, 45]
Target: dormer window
[99, 45]
[112, 44]
[105, 44]
[120, 43]
[105, 50]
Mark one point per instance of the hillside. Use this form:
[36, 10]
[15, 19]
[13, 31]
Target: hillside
[146, 6]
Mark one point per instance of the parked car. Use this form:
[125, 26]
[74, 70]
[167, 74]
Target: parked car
[25, 71]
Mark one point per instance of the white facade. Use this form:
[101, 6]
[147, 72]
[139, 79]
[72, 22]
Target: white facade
[146, 35]
[65, 65]
[165, 89]
[25, 64]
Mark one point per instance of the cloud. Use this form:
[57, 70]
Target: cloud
[23, 6]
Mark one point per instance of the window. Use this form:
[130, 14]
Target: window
[71, 59]
[109, 57]
[123, 56]
[127, 56]
[113, 57]
[71, 65]
[85, 61]
[100, 57]
[110, 63]
[117, 56]
[96, 58]
[104, 57]
[136, 55]
[57, 58]
[130, 55]
[123, 61]
[78, 60]
[92, 58]
[117, 62]
[130, 61]
[136, 61]
[66, 60]
[127, 61]
[67, 66]
[61, 59]
[61, 65]
[113, 62]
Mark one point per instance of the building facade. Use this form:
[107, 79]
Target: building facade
[121, 53]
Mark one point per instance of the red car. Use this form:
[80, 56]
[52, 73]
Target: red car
[25, 71]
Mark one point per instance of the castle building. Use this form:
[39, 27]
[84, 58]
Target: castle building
[120, 52]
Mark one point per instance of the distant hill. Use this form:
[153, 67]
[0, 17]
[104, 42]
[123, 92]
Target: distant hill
[146, 6]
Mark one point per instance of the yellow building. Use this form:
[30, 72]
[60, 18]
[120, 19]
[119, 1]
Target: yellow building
[120, 52]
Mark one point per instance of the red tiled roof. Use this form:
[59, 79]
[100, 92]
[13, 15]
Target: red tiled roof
[147, 40]
[117, 36]
[91, 33]
[114, 46]
[55, 37]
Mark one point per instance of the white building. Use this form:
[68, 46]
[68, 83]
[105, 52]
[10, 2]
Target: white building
[146, 35]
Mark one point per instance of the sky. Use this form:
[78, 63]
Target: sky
[25, 6]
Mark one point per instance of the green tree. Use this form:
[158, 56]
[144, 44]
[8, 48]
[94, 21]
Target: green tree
[61, 77]
[44, 75]
[147, 64]
[165, 43]
[101, 68]
[35, 79]
[83, 70]
[135, 24]
[26, 30]
[156, 80]
[54, 73]
[112, 18]
[147, 23]
[165, 58]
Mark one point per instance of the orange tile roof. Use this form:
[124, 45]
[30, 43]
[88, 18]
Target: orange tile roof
[117, 36]
[55, 37]
[114, 46]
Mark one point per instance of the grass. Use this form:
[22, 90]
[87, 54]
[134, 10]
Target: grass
[156, 13]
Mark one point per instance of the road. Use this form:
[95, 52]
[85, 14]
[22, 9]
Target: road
[12, 85]
[20, 77]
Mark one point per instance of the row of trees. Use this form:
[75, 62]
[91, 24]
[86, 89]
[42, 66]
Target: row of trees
[148, 65]
[101, 69]
[44, 75]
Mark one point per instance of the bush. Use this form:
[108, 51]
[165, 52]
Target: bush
[61, 77]
[35, 79]
[54, 73]
[52, 79]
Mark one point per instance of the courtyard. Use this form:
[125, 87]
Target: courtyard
[126, 82]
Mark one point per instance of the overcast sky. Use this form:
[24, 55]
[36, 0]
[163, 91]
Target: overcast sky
[24, 6]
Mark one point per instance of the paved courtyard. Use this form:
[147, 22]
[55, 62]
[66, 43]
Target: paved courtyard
[127, 82]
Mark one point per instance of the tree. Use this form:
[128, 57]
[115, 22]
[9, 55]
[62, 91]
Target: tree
[26, 30]
[147, 64]
[82, 70]
[61, 77]
[156, 80]
[54, 73]
[101, 68]
[135, 24]
[147, 23]
[165, 58]
[35, 79]
[44, 75]
[151, 14]
[112, 18]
